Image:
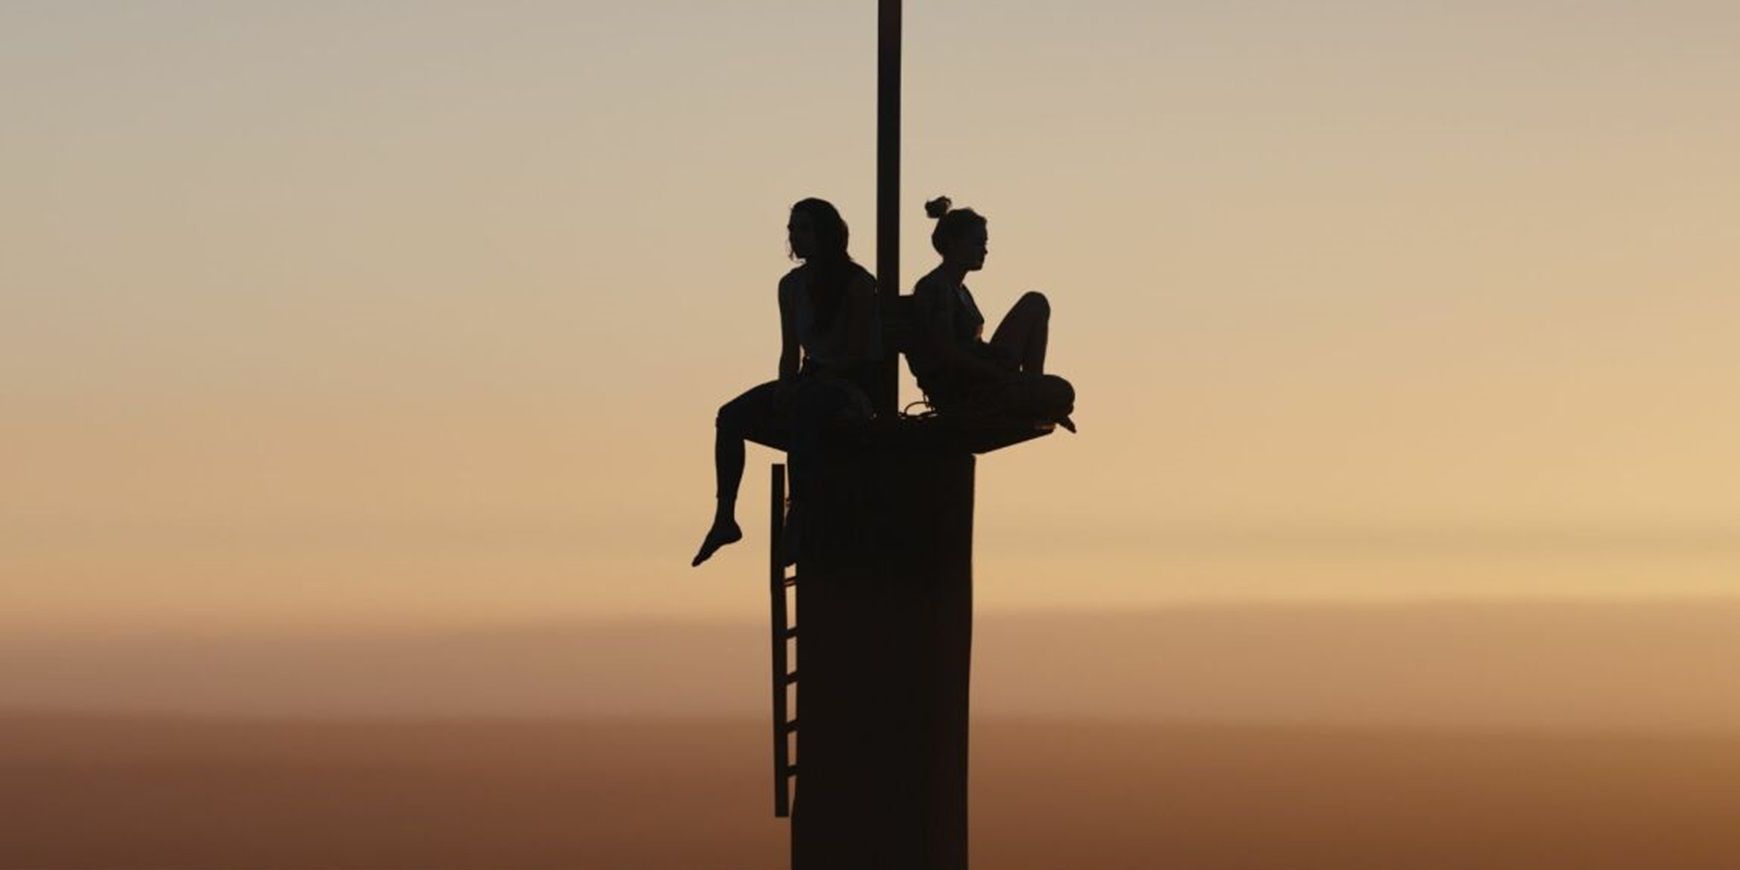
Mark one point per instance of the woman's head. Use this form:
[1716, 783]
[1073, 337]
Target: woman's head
[960, 234]
[816, 231]
[817, 235]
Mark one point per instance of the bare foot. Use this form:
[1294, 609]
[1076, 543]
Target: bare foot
[723, 532]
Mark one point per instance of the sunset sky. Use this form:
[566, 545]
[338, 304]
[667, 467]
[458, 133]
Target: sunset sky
[404, 314]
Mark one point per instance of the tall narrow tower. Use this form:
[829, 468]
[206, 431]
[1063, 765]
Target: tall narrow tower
[884, 602]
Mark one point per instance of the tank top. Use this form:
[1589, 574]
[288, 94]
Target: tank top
[828, 344]
[949, 309]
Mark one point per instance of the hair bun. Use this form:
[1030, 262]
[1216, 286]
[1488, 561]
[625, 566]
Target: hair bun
[938, 207]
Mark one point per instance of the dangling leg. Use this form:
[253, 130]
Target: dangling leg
[737, 419]
[728, 458]
[1024, 332]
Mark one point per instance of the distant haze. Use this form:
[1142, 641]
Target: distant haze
[414, 316]
[1558, 668]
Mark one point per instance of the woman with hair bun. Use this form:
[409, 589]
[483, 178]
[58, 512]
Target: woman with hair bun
[954, 365]
[830, 338]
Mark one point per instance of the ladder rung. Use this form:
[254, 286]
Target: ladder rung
[791, 725]
[791, 632]
[791, 770]
[791, 581]
[791, 677]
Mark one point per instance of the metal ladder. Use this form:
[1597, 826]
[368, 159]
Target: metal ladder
[784, 637]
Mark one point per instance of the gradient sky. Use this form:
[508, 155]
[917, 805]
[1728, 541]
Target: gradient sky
[416, 313]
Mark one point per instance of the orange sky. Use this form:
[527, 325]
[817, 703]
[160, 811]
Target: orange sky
[418, 313]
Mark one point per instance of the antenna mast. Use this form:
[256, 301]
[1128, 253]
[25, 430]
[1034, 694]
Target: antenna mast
[887, 400]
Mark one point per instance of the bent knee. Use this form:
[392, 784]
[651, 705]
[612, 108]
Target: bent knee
[1035, 301]
[1058, 391]
[730, 418]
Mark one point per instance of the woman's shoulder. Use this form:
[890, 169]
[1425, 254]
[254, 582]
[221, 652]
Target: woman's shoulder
[861, 281]
[932, 284]
[791, 282]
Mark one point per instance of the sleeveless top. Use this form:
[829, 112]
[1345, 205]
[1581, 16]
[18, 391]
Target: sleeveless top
[829, 344]
[944, 313]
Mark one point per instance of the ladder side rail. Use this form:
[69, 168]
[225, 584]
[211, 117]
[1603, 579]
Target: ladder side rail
[780, 630]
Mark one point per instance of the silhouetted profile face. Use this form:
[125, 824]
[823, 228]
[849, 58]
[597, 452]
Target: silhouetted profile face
[970, 247]
[801, 235]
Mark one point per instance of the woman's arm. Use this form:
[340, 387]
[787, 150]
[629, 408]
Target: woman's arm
[938, 319]
[790, 355]
[957, 357]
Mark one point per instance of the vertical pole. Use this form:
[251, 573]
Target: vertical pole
[887, 402]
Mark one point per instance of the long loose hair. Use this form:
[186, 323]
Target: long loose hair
[829, 267]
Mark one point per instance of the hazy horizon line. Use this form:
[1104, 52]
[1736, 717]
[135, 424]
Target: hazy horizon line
[265, 630]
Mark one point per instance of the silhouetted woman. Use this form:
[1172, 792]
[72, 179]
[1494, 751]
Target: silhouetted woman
[830, 338]
[957, 369]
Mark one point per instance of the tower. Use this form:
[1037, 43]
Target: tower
[882, 636]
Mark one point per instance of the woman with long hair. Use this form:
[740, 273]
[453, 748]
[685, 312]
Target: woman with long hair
[830, 339]
[955, 366]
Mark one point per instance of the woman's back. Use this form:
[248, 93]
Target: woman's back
[827, 329]
[944, 312]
